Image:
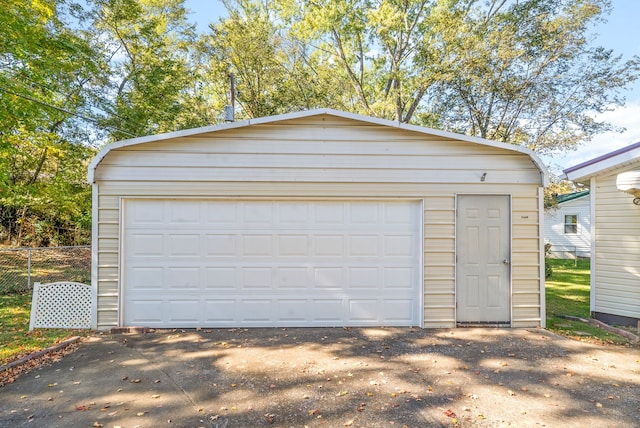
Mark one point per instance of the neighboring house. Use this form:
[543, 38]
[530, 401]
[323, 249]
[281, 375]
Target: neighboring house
[614, 180]
[317, 218]
[567, 226]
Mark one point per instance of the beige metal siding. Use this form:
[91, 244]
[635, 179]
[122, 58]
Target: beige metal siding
[331, 158]
[617, 250]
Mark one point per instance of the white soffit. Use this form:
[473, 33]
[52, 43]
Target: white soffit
[612, 161]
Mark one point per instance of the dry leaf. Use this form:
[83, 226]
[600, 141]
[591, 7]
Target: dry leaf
[348, 423]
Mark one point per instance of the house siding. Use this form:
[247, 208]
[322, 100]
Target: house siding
[569, 244]
[329, 157]
[617, 248]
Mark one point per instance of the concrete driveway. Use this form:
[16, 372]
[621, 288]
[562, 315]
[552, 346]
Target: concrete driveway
[356, 377]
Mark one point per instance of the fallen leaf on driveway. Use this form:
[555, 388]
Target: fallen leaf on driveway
[97, 424]
[348, 423]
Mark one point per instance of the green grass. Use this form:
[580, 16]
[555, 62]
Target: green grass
[15, 338]
[568, 294]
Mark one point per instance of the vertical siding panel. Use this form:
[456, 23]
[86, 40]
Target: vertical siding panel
[617, 247]
[439, 265]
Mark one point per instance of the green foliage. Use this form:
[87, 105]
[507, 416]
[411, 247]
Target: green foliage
[519, 72]
[73, 76]
[149, 44]
[46, 74]
[567, 293]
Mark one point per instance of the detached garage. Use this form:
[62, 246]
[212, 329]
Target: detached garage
[318, 218]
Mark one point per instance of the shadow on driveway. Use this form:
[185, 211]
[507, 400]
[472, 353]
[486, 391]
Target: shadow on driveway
[331, 377]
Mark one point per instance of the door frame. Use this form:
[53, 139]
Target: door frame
[510, 243]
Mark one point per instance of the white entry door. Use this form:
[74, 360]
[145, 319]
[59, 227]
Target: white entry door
[260, 263]
[483, 292]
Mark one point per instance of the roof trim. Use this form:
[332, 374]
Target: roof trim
[572, 196]
[544, 177]
[606, 162]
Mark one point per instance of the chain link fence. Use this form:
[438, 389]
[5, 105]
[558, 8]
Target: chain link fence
[20, 268]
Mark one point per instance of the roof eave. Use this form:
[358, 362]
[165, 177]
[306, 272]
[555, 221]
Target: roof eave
[581, 173]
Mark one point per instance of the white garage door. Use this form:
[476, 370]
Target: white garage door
[212, 263]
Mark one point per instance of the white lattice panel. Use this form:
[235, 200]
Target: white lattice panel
[62, 305]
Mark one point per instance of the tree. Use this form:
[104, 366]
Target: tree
[272, 71]
[45, 72]
[149, 45]
[525, 73]
[522, 72]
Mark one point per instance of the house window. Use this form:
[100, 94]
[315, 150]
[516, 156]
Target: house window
[571, 223]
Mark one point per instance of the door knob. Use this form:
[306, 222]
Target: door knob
[505, 262]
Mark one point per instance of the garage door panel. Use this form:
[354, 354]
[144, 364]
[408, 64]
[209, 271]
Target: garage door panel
[182, 311]
[364, 277]
[327, 311]
[183, 245]
[220, 278]
[396, 214]
[328, 277]
[398, 310]
[293, 245]
[271, 263]
[147, 278]
[182, 278]
[363, 245]
[257, 310]
[187, 212]
[363, 311]
[219, 312]
[146, 212]
[146, 312]
[145, 245]
[256, 278]
[328, 245]
[257, 245]
[221, 245]
[293, 213]
[365, 213]
[401, 277]
[397, 245]
[260, 213]
[292, 277]
[329, 213]
[292, 310]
